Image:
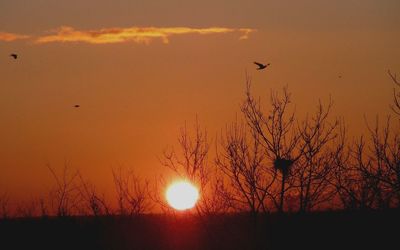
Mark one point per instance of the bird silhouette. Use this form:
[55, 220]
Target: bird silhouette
[76, 106]
[13, 55]
[261, 66]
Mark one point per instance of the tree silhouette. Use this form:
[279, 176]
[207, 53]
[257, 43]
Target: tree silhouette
[313, 171]
[276, 133]
[367, 171]
[384, 167]
[65, 196]
[242, 160]
[132, 193]
[353, 188]
[190, 161]
[93, 201]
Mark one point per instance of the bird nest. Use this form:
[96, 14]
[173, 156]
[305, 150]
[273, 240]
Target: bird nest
[283, 165]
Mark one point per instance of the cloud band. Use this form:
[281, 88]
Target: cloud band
[9, 37]
[132, 34]
[66, 34]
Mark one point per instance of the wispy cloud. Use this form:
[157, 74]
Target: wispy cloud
[9, 37]
[245, 33]
[132, 34]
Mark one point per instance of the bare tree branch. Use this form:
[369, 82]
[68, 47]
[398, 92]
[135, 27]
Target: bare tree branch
[132, 193]
[65, 195]
[396, 93]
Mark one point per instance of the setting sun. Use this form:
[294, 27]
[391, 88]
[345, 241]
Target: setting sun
[182, 195]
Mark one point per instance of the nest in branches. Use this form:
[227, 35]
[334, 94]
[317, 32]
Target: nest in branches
[283, 165]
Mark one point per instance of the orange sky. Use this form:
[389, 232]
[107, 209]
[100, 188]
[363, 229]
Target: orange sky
[164, 63]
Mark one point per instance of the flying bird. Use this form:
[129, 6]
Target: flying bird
[13, 55]
[77, 106]
[261, 66]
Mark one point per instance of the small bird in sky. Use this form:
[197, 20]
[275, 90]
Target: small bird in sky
[13, 55]
[261, 66]
[77, 106]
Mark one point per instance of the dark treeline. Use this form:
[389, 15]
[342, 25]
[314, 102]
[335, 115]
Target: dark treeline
[268, 160]
[329, 230]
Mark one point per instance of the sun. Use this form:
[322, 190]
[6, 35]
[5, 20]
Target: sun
[182, 195]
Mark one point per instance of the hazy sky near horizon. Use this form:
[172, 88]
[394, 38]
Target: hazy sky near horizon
[149, 77]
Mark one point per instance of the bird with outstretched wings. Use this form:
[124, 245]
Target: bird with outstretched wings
[261, 66]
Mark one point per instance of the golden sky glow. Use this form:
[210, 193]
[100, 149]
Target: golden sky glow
[133, 99]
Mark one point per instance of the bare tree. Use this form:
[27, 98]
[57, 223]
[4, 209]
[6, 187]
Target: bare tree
[190, 161]
[366, 175]
[242, 160]
[94, 202]
[132, 193]
[351, 190]
[218, 199]
[276, 133]
[314, 170]
[157, 193]
[28, 209]
[65, 195]
[385, 164]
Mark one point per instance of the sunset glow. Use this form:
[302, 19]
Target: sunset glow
[182, 195]
[96, 84]
[208, 124]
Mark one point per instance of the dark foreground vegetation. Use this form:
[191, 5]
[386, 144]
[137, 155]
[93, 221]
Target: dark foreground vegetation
[340, 230]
